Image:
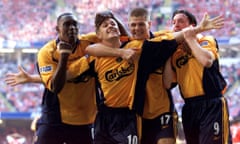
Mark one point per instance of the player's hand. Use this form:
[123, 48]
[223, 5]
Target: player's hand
[129, 54]
[208, 23]
[64, 47]
[14, 79]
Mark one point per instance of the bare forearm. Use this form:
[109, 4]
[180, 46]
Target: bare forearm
[35, 78]
[204, 56]
[179, 36]
[102, 50]
[59, 78]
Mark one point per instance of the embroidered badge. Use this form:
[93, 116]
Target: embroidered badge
[204, 43]
[45, 69]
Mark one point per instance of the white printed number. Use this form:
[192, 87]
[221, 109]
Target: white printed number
[216, 128]
[165, 119]
[132, 139]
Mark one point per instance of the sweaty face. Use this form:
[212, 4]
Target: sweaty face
[108, 29]
[179, 22]
[68, 29]
[139, 27]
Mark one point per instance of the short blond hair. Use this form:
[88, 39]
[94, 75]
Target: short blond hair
[140, 12]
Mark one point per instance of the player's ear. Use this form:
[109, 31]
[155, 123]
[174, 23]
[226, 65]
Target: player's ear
[57, 28]
[98, 34]
[149, 24]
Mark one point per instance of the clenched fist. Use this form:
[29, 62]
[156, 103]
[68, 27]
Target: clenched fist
[64, 47]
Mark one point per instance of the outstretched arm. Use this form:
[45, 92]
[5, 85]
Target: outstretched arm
[206, 24]
[21, 77]
[209, 24]
[102, 50]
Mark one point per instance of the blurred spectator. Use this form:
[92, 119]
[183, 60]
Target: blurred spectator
[235, 129]
[15, 138]
[36, 21]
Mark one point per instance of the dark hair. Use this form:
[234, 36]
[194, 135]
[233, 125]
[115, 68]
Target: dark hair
[102, 16]
[191, 17]
[62, 15]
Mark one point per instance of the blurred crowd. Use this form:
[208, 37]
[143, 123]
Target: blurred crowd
[21, 98]
[26, 20]
[30, 20]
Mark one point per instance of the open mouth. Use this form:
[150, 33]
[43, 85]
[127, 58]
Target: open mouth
[111, 30]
